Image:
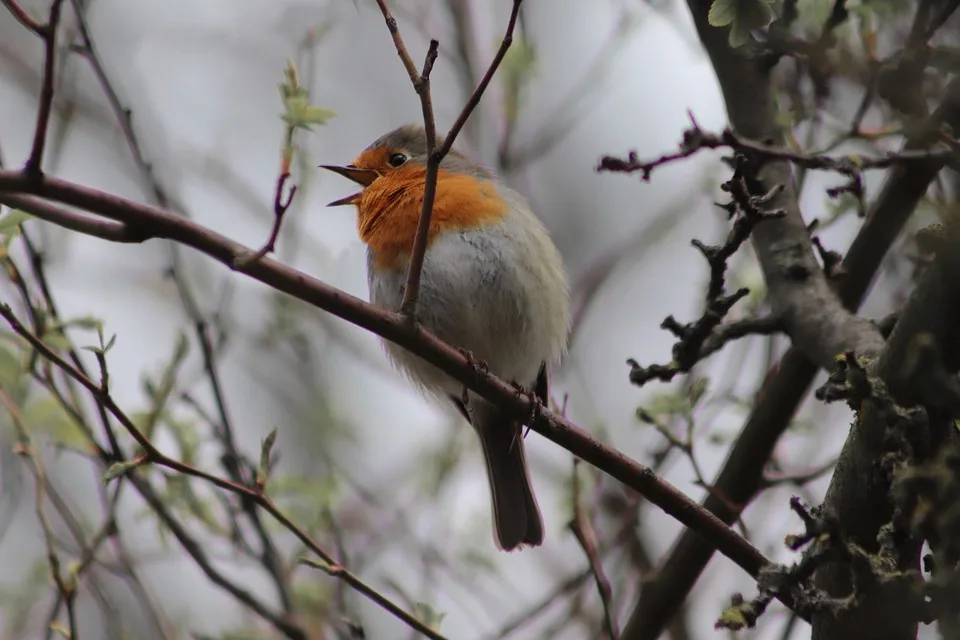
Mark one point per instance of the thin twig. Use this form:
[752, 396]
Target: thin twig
[66, 587]
[268, 556]
[34, 167]
[73, 408]
[152, 455]
[123, 114]
[394, 30]
[797, 478]
[408, 305]
[484, 82]
[23, 17]
[233, 462]
[586, 535]
[421, 84]
[281, 203]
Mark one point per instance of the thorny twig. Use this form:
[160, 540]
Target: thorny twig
[730, 331]
[749, 210]
[824, 531]
[696, 139]
[832, 260]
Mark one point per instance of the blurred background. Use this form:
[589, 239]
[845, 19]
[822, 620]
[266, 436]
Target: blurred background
[176, 104]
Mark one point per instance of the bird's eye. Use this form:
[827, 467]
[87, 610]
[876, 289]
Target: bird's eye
[397, 159]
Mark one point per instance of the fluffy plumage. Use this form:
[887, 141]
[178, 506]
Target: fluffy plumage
[493, 284]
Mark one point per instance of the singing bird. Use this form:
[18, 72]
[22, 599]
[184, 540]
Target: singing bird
[493, 285]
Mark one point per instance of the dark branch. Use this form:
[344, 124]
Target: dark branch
[34, 165]
[394, 327]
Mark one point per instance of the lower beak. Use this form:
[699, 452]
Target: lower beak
[361, 176]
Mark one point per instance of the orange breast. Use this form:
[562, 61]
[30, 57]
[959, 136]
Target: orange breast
[389, 210]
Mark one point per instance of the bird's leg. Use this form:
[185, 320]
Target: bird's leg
[479, 367]
[536, 404]
[536, 410]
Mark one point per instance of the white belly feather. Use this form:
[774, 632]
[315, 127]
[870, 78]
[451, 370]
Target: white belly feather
[498, 292]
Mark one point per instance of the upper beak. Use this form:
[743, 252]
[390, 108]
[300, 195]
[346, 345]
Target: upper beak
[361, 176]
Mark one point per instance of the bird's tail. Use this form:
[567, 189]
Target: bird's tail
[516, 515]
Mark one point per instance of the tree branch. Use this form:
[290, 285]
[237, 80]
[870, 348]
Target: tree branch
[586, 536]
[255, 494]
[392, 326]
[741, 477]
[34, 165]
[918, 367]
[23, 17]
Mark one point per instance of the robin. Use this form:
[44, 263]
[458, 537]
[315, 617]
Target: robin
[493, 285]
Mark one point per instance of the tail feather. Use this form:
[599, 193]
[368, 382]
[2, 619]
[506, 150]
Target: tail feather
[516, 514]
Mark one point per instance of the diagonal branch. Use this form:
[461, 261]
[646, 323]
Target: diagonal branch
[394, 327]
[23, 17]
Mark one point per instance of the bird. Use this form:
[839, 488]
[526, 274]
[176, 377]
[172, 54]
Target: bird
[493, 284]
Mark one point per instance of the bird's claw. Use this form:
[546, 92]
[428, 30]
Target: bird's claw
[536, 405]
[478, 366]
[536, 408]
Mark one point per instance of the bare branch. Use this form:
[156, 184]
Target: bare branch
[586, 535]
[281, 203]
[394, 327]
[103, 229]
[34, 167]
[153, 455]
[696, 139]
[65, 585]
[23, 17]
[786, 386]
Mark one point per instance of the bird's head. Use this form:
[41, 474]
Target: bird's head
[401, 156]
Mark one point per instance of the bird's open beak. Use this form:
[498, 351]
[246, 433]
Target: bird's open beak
[361, 176]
